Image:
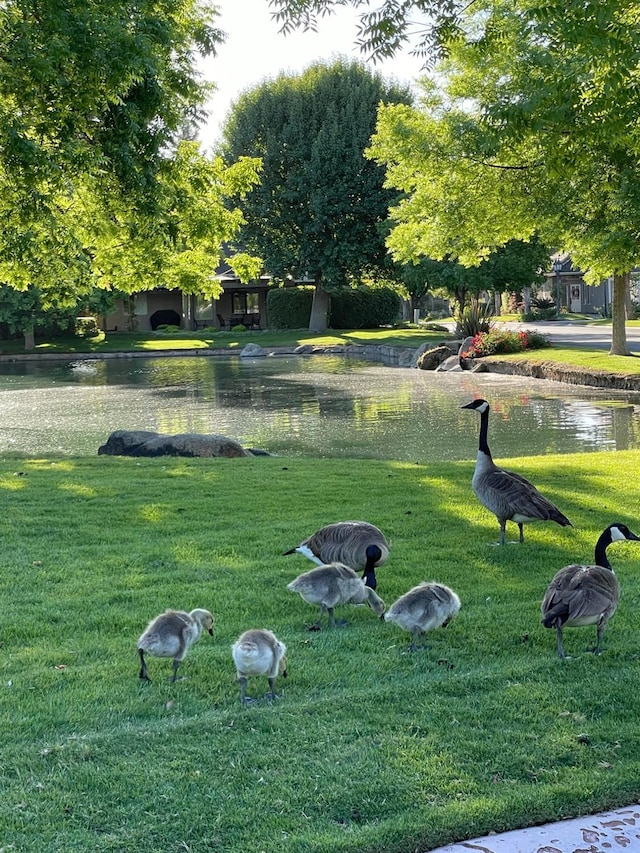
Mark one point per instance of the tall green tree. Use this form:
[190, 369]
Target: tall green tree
[320, 208]
[529, 127]
[94, 98]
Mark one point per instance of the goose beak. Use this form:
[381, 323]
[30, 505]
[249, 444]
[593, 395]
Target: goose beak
[467, 406]
[211, 631]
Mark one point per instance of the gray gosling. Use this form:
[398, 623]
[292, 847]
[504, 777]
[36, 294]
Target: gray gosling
[357, 544]
[425, 607]
[332, 585]
[509, 496]
[259, 652]
[171, 634]
[582, 595]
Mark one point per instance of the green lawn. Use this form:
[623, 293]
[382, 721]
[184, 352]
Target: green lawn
[584, 358]
[156, 341]
[370, 748]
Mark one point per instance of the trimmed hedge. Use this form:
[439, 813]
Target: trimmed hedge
[289, 307]
[351, 308]
[364, 308]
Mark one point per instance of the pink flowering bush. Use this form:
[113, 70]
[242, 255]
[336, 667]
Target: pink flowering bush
[497, 341]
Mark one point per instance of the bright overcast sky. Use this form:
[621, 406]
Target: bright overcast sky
[254, 50]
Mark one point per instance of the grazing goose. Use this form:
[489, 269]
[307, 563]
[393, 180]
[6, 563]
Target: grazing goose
[357, 544]
[171, 634]
[507, 495]
[585, 595]
[332, 585]
[259, 652]
[425, 607]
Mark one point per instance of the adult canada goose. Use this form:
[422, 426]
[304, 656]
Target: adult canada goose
[332, 585]
[425, 607]
[506, 494]
[259, 652]
[171, 634]
[585, 595]
[357, 544]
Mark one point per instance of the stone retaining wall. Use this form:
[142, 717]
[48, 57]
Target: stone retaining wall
[563, 373]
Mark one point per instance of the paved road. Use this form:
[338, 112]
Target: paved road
[565, 332]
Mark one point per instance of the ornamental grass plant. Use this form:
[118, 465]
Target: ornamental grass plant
[369, 747]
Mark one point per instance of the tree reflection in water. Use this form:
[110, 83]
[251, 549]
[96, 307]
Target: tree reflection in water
[313, 405]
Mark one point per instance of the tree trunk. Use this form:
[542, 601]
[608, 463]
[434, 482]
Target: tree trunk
[618, 315]
[319, 319]
[29, 338]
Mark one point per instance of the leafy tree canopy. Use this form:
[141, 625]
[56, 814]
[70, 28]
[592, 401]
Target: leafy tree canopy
[423, 25]
[94, 188]
[529, 127]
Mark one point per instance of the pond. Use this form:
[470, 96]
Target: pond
[323, 406]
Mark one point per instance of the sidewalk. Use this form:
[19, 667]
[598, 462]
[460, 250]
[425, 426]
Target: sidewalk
[601, 833]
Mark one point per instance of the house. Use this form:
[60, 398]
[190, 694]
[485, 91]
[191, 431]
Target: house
[238, 303]
[566, 286]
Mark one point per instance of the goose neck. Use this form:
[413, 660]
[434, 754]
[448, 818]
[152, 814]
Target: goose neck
[483, 443]
[601, 552]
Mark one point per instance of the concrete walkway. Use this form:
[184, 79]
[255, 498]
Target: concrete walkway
[608, 832]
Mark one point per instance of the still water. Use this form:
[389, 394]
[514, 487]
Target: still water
[305, 406]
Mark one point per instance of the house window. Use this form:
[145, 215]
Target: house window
[245, 303]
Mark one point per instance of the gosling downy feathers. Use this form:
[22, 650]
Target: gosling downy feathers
[506, 494]
[171, 634]
[332, 585]
[585, 594]
[427, 606]
[259, 652]
[357, 544]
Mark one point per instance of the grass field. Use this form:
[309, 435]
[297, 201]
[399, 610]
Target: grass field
[232, 341]
[369, 748]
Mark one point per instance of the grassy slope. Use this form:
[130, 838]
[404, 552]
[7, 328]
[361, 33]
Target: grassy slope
[590, 359]
[370, 748]
[157, 341]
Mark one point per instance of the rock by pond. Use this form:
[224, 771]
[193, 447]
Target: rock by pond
[142, 443]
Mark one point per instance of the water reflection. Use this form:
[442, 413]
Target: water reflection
[318, 406]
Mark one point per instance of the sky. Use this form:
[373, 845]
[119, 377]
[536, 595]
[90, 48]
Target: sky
[254, 50]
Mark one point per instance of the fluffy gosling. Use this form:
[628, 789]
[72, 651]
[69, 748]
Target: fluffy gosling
[332, 585]
[171, 634]
[425, 607]
[259, 652]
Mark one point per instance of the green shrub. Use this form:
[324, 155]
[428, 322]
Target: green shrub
[289, 307]
[168, 329]
[473, 320]
[350, 308]
[86, 327]
[364, 308]
[542, 308]
[498, 341]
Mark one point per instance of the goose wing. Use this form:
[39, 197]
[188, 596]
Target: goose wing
[521, 497]
[580, 592]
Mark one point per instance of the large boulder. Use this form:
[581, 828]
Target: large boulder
[140, 443]
[433, 358]
[252, 351]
